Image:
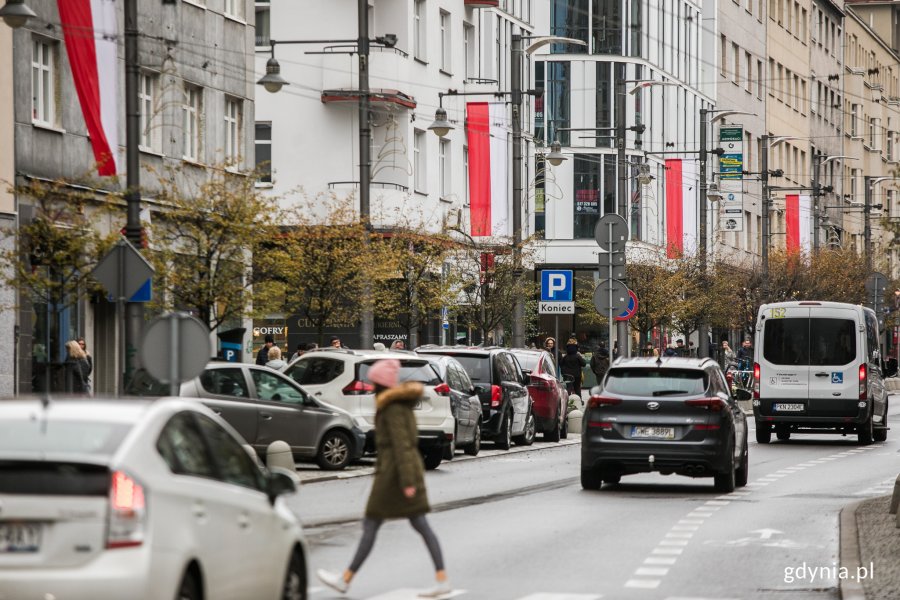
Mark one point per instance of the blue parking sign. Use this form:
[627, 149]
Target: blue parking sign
[556, 286]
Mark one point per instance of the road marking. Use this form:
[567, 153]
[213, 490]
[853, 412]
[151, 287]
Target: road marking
[717, 503]
[411, 594]
[659, 560]
[680, 534]
[696, 598]
[675, 551]
[777, 475]
[652, 571]
[690, 522]
[767, 480]
[554, 596]
[674, 542]
[647, 584]
[690, 528]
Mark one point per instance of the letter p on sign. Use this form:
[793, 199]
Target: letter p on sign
[556, 286]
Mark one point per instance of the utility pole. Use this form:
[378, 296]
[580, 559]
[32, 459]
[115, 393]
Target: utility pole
[367, 317]
[134, 311]
[703, 342]
[764, 242]
[867, 227]
[622, 192]
[518, 337]
[817, 190]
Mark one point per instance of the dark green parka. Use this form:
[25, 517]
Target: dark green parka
[398, 464]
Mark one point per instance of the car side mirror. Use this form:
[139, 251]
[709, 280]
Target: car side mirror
[526, 372]
[279, 482]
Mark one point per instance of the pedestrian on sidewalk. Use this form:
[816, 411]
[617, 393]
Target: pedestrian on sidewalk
[550, 346]
[262, 357]
[600, 362]
[77, 368]
[398, 489]
[90, 365]
[571, 364]
[275, 361]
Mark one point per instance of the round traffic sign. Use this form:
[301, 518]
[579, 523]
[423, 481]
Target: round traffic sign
[611, 232]
[631, 309]
[175, 348]
[610, 295]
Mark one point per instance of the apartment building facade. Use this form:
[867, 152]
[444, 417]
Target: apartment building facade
[196, 102]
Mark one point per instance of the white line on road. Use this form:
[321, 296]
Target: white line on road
[690, 522]
[647, 584]
[675, 551]
[680, 534]
[651, 571]
[717, 503]
[411, 594]
[553, 596]
[674, 542]
[659, 560]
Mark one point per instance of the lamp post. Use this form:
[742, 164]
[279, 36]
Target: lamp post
[767, 142]
[272, 81]
[818, 161]
[15, 13]
[869, 183]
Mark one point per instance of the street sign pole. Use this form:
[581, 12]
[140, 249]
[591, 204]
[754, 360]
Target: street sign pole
[610, 317]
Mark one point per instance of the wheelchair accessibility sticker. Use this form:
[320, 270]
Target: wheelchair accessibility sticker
[837, 377]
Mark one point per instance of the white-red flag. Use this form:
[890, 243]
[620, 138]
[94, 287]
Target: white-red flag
[487, 125]
[91, 32]
[681, 207]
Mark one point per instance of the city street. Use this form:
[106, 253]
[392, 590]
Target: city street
[518, 526]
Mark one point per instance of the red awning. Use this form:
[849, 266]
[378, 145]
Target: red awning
[389, 96]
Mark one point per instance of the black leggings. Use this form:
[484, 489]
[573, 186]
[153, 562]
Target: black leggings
[370, 530]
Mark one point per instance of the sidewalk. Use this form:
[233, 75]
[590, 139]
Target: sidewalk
[869, 536]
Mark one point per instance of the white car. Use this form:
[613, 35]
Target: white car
[140, 500]
[338, 376]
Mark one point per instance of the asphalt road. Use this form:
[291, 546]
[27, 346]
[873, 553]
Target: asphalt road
[518, 527]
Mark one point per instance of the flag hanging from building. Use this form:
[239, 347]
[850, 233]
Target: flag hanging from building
[798, 212]
[91, 33]
[681, 207]
[487, 126]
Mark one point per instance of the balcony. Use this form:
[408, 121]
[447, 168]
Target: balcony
[483, 3]
[388, 69]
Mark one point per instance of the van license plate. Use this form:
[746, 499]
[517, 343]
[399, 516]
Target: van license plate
[19, 538]
[656, 433]
[780, 407]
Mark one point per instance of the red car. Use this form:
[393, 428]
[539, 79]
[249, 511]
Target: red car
[548, 393]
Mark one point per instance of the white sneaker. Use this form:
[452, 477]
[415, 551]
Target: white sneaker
[438, 591]
[333, 580]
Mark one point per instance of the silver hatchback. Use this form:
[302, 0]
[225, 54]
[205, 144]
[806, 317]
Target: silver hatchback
[264, 406]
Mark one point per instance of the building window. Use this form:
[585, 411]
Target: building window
[444, 167]
[263, 152]
[748, 76]
[469, 42]
[263, 30]
[466, 175]
[540, 214]
[419, 30]
[607, 27]
[234, 8]
[875, 133]
[43, 82]
[150, 134]
[723, 62]
[419, 161]
[192, 109]
[232, 130]
[569, 19]
[604, 105]
[446, 64]
[557, 105]
[855, 116]
[760, 79]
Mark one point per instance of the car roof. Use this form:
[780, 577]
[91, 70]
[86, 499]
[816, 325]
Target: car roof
[460, 350]
[112, 409]
[663, 362]
[363, 354]
[810, 304]
[527, 351]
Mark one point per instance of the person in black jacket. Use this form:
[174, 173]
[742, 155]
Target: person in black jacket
[262, 357]
[77, 368]
[600, 362]
[571, 364]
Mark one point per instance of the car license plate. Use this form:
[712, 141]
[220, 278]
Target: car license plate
[19, 537]
[656, 433]
[783, 407]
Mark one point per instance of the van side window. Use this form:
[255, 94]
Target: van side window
[871, 336]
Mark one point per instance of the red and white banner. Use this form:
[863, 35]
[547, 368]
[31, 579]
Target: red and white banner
[797, 217]
[487, 126]
[681, 207]
[91, 32]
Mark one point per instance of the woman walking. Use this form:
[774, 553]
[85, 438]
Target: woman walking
[398, 491]
[90, 362]
[77, 368]
[571, 364]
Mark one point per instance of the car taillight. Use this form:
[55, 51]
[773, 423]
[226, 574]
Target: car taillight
[357, 388]
[598, 401]
[127, 512]
[496, 396]
[442, 389]
[756, 381]
[539, 382]
[702, 427]
[604, 425]
[714, 404]
[863, 382]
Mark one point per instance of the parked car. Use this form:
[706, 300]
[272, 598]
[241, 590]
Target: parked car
[549, 395]
[464, 403]
[668, 415]
[338, 376]
[264, 406]
[505, 406]
[818, 369]
[139, 499]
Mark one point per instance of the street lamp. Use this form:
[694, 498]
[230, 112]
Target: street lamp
[556, 156]
[272, 80]
[818, 161]
[16, 13]
[767, 142]
[870, 182]
[441, 126]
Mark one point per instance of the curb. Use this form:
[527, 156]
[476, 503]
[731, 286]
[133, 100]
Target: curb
[849, 552]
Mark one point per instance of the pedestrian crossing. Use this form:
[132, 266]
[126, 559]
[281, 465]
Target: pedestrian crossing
[883, 488]
[413, 594]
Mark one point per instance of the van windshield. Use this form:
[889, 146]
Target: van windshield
[805, 342]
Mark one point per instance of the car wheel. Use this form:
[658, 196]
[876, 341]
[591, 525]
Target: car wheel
[189, 588]
[590, 480]
[555, 434]
[433, 459]
[763, 434]
[334, 451]
[295, 579]
[528, 435]
[865, 433]
[880, 434]
[475, 447]
[783, 434]
[725, 481]
[504, 437]
[612, 479]
[564, 432]
[450, 449]
[743, 472]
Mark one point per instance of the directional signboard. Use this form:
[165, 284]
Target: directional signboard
[556, 293]
[731, 177]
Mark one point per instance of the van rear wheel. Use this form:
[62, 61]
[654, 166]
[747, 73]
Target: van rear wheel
[880, 433]
[763, 434]
[865, 433]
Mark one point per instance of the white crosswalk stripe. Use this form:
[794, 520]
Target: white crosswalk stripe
[879, 489]
[555, 596]
[413, 594]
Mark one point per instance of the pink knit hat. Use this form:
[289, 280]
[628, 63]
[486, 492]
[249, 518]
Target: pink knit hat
[385, 372]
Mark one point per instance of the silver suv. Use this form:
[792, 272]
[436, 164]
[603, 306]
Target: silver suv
[338, 376]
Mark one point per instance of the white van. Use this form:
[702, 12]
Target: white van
[818, 370]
